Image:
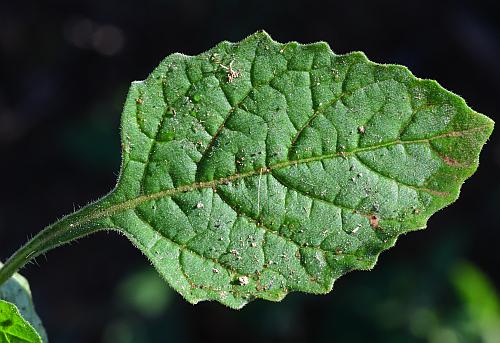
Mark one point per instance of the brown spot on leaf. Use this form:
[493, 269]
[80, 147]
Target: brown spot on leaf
[374, 221]
[452, 162]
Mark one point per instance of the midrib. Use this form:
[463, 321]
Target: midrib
[132, 203]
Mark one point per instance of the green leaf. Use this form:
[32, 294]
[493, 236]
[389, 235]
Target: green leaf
[16, 297]
[258, 168]
[13, 327]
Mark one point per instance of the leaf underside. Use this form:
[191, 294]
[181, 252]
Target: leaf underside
[258, 168]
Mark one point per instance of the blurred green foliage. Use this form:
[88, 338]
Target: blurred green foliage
[145, 293]
[481, 310]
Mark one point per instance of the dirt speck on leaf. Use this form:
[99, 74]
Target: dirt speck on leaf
[243, 280]
[374, 221]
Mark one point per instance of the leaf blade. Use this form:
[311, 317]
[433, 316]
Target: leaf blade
[259, 168]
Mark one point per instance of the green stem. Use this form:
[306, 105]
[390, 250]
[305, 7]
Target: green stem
[20, 258]
[70, 228]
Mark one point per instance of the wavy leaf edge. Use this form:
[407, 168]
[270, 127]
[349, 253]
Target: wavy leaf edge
[238, 288]
[365, 265]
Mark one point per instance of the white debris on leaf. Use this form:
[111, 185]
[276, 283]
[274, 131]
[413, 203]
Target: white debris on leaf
[243, 280]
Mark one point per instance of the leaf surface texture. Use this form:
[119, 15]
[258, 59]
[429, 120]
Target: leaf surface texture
[259, 168]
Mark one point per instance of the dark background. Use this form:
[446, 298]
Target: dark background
[64, 73]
